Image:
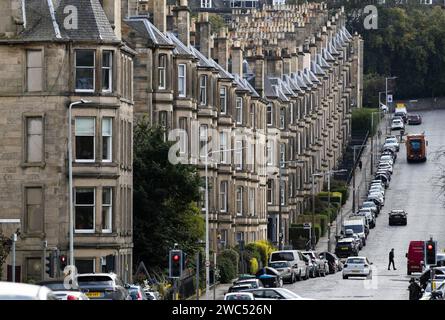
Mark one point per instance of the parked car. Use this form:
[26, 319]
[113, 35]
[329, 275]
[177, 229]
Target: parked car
[270, 278]
[274, 294]
[372, 206]
[295, 258]
[137, 293]
[240, 287]
[255, 283]
[392, 141]
[334, 263]
[426, 275]
[389, 152]
[70, 295]
[357, 226]
[321, 268]
[239, 296]
[311, 267]
[397, 124]
[369, 215]
[387, 157]
[398, 217]
[357, 266]
[414, 119]
[23, 291]
[285, 269]
[434, 290]
[346, 247]
[385, 166]
[102, 286]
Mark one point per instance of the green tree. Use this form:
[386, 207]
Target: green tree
[165, 195]
[5, 248]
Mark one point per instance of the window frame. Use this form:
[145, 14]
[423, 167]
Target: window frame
[110, 68]
[239, 155]
[110, 138]
[162, 71]
[28, 69]
[223, 147]
[269, 190]
[85, 205]
[94, 141]
[109, 210]
[223, 97]
[269, 115]
[85, 67]
[239, 201]
[25, 209]
[223, 196]
[184, 78]
[203, 90]
[25, 118]
[239, 110]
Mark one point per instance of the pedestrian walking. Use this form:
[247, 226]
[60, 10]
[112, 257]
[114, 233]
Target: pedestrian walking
[391, 259]
[360, 164]
[415, 291]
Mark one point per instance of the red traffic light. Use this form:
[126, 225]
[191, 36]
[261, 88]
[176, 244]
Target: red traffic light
[176, 258]
[62, 258]
[430, 247]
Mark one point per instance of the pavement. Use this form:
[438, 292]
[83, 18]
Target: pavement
[362, 178]
[414, 188]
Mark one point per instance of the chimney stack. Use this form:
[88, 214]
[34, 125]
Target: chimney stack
[237, 58]
[160, 15]
[183, 13]
[204, 34]
[259, 73]
[12, 20]
[222, 54]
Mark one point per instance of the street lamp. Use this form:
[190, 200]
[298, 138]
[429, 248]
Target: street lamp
[329, 173]
[207, 245]
[70, 174]
[280, 221]
[313, 208]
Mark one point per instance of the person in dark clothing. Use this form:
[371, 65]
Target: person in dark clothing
[391, 259]
[415, 291]
[360, 164]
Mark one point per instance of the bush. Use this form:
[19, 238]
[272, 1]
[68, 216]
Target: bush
[253, 263]
[323, 223]
[361, 120]
[227, 269]
[265, 248]
[231, 254]
[317, 231]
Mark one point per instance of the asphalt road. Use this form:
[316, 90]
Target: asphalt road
[413, 188]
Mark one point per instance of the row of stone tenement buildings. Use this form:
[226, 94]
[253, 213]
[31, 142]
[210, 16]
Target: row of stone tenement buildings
[268, 98]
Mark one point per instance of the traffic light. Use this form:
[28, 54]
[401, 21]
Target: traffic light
[50, 265]
[175, 263]
[62, 262]
[430, 252]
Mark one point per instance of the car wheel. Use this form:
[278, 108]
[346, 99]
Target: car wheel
[293, 278]
[408, 272]
[345, 277]
[299, 276]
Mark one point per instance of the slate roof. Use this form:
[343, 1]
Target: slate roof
[45, 22]
[180, 48]
[202, 60]
[147, 30]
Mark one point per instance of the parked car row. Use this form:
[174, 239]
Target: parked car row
[285, 266]
[91, 286]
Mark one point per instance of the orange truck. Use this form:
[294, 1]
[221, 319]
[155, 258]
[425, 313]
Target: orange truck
[416, 147]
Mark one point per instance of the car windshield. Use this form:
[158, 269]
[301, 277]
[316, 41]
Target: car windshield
[282, 256]
[391, 140]
[356, 260]
[278, 264]
[356, 228]
[368, 204]
[86, 281]
[415, 144]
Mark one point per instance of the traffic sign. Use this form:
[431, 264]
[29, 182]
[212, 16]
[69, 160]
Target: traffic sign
[307, 225]
[389, 98]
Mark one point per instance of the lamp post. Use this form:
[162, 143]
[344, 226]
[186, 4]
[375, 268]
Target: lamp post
[70, 177]
[329, 202]
[313, 207]
[207, 244]
[280, 218]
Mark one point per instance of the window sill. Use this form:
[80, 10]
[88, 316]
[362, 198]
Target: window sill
[96, 164]
[33, 164]
[95, 234]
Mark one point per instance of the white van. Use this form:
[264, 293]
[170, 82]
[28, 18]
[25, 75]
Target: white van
[357, 225]
[295, 257]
